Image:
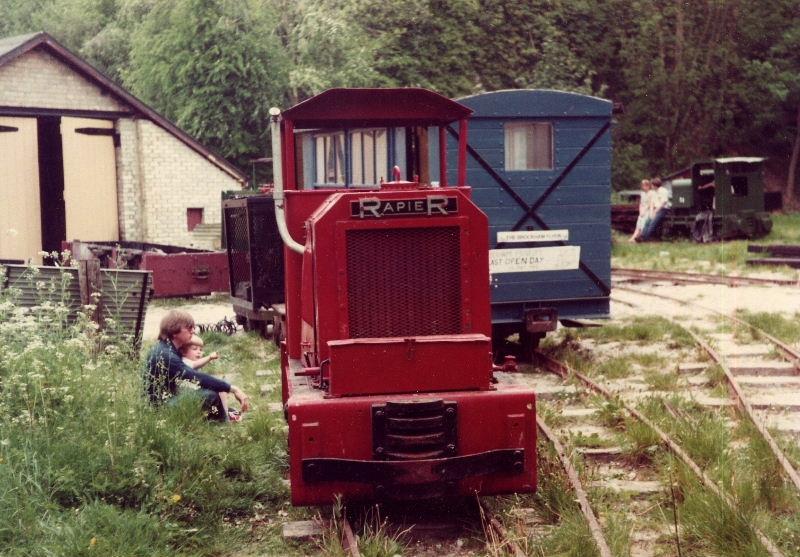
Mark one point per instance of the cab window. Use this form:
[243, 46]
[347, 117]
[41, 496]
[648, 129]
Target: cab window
[329, 157]
[368, 157]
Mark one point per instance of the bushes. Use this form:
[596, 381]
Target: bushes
[88, 467]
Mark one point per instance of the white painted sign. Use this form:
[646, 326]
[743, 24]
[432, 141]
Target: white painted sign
[522, 260]
[534, 236]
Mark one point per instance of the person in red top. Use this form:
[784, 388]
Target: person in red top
[165, 368]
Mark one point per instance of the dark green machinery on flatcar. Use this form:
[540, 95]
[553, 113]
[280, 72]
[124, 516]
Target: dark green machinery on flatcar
[725, 195]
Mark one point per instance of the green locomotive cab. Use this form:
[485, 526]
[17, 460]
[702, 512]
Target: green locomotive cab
[726, 195]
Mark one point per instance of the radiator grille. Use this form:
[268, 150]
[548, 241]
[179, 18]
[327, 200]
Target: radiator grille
[239, 250]
[404, 282]
[256, 250]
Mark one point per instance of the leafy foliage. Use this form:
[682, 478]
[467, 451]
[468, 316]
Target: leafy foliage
[214, 67]
[693, 79]
[87, 467]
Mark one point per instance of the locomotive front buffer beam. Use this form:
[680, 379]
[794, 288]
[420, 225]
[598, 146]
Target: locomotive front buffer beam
[411, 446]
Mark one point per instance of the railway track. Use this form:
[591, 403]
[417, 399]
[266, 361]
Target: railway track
[754, 384]
[453, 530]
[678, 277]
[615, 479]
[756, 379]
[646, 539]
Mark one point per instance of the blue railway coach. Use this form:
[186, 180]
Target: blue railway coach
[540, 167]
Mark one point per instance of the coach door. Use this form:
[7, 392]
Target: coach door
[90, 179]
[20, 224]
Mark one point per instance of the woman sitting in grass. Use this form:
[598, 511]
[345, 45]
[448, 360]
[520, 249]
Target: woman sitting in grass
[165, 367]
[645, 210]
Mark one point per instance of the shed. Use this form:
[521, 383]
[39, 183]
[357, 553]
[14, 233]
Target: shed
[82, 158]
[539, 163]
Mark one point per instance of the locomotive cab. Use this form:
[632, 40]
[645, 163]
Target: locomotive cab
[388, 383]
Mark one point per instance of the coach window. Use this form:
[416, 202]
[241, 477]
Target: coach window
[368, 156]
[330, 169]
[529, 146]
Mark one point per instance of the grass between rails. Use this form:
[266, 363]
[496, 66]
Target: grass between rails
[718, 257]
[740, 462]
[731, 453]
[87, 467]
[781, 327]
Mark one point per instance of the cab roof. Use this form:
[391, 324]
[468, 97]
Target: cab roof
[351, 108]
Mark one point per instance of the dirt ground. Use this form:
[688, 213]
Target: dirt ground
[773, 299]
[203, 311]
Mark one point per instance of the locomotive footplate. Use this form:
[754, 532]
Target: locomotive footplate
[382, 472]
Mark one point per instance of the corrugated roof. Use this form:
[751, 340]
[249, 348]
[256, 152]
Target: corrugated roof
[13, 47]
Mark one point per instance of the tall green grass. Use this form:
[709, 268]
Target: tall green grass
[686, 255]
[642, 329]
[88, 467]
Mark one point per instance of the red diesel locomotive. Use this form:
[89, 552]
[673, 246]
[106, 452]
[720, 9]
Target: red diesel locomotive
[388, 383]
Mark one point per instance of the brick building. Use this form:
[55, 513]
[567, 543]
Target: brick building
[82, 158]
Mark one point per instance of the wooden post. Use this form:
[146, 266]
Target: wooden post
[90, 282]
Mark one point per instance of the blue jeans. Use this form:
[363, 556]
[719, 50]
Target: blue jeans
[652, 229]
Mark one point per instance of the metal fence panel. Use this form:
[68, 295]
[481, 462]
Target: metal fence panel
[124, 294]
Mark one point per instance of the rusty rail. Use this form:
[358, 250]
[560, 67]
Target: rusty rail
[580, 493]
[566, 372]
[496, 529]
[701, 278]
[741, 401]
[790, 354]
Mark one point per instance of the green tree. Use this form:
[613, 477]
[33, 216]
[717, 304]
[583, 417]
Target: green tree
[528, 44]
[214, 67]
[325, 47]
[424, 43]
[109, 49]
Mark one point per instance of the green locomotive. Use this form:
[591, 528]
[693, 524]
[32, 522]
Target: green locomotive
[723, 198]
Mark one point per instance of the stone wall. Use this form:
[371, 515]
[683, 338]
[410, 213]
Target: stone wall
[176, 178]
[38, 80]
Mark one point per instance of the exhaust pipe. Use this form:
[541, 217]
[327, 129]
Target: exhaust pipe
[277, 172]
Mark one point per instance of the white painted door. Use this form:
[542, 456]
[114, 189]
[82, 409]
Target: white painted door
[90, 179]
[20, 213]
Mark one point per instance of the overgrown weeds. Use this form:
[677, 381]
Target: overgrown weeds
[647, 329]
[88, 467]
[784, 328]
[555, 500]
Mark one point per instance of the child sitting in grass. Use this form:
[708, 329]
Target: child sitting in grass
[165, 368]
[192, 355]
